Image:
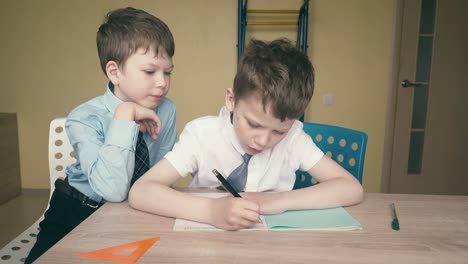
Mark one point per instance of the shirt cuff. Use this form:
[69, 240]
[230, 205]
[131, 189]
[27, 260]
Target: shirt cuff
[122, 134]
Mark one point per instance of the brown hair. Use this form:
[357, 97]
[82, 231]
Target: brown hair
[279, 73]
[126, 30]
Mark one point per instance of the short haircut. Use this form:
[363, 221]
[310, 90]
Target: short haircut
[279, 73]
[126, 30]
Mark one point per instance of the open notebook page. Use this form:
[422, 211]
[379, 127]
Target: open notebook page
[320, 219]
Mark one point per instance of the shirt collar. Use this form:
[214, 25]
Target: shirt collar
[110, 100]
[228, 129]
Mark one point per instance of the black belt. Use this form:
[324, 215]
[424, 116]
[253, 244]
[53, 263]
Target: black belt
[64, 187]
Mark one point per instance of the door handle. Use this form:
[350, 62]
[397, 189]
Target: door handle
[405, 84]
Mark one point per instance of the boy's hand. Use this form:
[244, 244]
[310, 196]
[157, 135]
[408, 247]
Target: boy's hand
[234, 213]
[269, 203]
[151, 126]
[147, 119]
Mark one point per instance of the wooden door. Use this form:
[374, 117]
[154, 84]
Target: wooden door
[430, 139]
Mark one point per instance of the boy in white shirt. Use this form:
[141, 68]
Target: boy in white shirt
[258, 128]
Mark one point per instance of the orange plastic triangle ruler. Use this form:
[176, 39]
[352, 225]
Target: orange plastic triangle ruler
[139, 248]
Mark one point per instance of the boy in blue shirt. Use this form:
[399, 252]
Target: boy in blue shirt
[116, 137]
[257, 143]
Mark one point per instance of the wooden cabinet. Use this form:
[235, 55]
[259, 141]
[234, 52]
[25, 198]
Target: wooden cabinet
[10, 180]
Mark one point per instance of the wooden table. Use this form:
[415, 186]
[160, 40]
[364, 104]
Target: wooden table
[434, 229]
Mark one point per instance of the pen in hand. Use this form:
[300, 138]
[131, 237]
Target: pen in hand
[226, 184]
[228, 187]
[395, 222]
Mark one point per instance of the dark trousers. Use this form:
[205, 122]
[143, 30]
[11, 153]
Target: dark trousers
[63, 215]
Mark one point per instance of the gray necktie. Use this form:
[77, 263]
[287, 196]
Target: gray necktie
[238, 176]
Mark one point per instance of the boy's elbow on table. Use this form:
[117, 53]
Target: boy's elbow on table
[135, 194]
[132, 200]
[357, 194]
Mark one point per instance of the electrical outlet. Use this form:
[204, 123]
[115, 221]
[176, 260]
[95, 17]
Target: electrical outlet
[328, 99]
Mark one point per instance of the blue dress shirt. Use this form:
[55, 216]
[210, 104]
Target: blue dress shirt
[104, 147]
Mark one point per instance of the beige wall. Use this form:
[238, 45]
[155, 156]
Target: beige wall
[8, 67]
[350, 46]
[50, 64]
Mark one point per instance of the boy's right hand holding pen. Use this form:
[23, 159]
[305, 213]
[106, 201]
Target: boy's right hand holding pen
[236, 213]
[230, 213]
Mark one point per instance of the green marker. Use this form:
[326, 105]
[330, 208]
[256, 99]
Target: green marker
[395, 223]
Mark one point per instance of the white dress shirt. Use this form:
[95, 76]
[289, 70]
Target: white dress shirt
[210, 142]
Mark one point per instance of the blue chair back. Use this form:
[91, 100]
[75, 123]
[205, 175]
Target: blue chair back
[345, 146]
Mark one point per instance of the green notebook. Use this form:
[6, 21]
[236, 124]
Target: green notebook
[319, 219]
